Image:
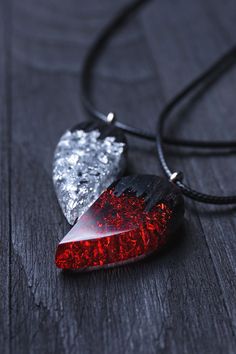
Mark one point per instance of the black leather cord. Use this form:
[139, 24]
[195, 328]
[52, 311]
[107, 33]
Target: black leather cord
[222, 64]
[209, 76]
[86, 80]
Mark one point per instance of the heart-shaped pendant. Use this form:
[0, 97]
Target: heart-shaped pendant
[133, 218]
[87, 160]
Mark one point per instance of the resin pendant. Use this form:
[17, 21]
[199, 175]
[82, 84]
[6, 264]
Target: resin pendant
[87, 160]
[134, 217]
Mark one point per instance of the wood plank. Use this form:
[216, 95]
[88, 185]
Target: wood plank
[208, 35]
[174, 303]
[223, 171]
[5, 241]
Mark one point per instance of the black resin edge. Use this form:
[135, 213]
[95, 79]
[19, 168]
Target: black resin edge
[154, 189]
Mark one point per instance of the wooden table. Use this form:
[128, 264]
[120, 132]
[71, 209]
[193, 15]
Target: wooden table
[180, 302]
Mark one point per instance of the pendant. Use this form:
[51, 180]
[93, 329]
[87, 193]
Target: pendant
[88, 158]
[134, 217]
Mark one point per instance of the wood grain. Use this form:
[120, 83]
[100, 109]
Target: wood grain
[184, 300]
[5, 244]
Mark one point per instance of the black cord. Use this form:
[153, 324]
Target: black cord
[208, 77]
[86, 80]
[222, 64]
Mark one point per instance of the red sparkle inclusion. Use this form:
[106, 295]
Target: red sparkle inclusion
[114, 230]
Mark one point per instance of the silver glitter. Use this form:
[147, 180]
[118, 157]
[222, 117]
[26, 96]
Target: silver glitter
[84, 166]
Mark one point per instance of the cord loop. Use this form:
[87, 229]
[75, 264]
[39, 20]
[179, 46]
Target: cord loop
[176, 177]
[210, 75]
[86, 79]
[220, 66]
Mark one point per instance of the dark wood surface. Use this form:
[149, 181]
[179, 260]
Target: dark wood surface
[180, 302]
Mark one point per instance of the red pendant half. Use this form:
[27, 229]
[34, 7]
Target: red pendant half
[133, 218]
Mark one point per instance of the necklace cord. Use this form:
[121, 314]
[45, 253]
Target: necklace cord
[208, 77]
[86, 80]
[222, 65]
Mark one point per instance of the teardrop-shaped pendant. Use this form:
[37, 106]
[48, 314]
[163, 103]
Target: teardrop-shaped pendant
[134, 217]
[87, 160]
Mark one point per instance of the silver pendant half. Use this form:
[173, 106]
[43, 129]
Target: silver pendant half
[87, 159]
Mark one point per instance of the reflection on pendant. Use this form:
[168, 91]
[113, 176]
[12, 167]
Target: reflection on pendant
[87, 160]
[133, 218]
